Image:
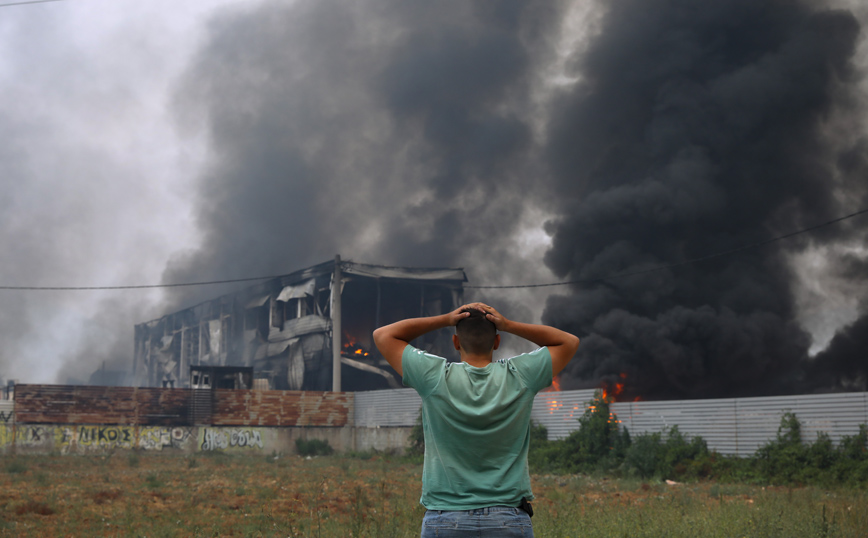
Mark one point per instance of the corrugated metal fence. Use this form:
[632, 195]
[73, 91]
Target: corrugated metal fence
[385, 408]
[731, 426]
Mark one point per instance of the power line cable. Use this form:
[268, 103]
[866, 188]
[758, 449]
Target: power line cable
[678, 264]
[514, 286]
[137, 287]
[29, 2]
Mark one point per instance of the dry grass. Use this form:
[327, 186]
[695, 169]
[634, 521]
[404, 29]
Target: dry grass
[221, 495]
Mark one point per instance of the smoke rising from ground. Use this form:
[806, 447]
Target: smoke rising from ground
[430, 136]
[698, 128]
[453, 134]
[383, 133]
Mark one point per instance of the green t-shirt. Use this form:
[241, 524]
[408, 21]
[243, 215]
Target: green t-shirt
[477, 427]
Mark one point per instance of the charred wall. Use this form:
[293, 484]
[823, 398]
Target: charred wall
[282, 328]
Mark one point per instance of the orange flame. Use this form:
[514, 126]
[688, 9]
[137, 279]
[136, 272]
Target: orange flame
[351, 348]
[611, 392]
[555, 387]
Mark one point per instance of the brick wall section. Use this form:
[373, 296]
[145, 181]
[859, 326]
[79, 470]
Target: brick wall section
[68, 404]
[282, 408]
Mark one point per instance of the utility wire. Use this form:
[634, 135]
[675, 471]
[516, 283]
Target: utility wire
[582, 281]
[28, 2]
[676, 264]
[137, 287]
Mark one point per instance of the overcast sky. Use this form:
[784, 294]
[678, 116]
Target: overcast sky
[114, 136]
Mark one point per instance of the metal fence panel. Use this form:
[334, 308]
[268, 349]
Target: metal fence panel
[559, 411]
[735, 426]
[384, 408]
[7, 412]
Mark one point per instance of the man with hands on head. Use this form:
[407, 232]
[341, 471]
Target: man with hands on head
[476, 417]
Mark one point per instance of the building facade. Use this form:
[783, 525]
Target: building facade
[293, 329]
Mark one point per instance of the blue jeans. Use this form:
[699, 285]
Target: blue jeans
[491, 522]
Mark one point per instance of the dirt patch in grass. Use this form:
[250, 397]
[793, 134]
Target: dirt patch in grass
[34, 507]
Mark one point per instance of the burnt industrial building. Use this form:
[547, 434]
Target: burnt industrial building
[307, 330]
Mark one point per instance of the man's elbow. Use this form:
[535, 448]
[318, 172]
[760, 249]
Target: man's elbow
[574, 342]
[379, 337]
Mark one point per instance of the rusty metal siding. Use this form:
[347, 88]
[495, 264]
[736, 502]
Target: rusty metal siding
[282, 408]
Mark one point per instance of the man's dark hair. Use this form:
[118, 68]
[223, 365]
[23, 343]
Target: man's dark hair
[475, 332]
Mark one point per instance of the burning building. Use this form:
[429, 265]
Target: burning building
[293, 329]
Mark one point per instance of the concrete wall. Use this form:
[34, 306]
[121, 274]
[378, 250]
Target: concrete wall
[100, 439]
[82, 420]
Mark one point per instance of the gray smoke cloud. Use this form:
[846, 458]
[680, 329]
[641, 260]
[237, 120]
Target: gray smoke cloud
[699, 128]
[429, 135]
[453, 134]
[383, 132]
[88, 171]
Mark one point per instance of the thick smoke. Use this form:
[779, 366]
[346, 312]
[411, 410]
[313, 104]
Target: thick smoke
[697, 128]
[385, 133]
[436, 134]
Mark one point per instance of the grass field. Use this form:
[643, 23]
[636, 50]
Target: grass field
[141, 494]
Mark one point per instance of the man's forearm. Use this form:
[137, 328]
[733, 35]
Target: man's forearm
[541, 335]
[410, 329]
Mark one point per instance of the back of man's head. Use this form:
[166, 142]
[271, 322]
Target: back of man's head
[475, 332]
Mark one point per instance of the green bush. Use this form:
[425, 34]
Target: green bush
[787, 460]
[598, 444]
[313, 447]
[675, 457]
[546, 456]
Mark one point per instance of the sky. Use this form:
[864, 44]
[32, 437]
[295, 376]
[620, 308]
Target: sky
[157, 142]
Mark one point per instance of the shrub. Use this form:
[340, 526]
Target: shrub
[675, 456]
[783, 459]
[644, 454]
[313, 447]
[598, 444]
[546, 456]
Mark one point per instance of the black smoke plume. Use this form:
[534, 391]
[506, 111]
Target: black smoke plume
[436, 134]
[697, 128]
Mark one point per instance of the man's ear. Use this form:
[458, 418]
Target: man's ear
[456, 342]
[496, 341]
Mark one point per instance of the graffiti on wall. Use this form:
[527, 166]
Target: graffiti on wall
[68, 439]
[7, 417]
[214, 439]
[106, 436]
[159, 437]
[7, 437]
[29, 436]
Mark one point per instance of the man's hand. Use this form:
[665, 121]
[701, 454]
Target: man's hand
[459, 313]
[392, 339]
[492, 315]
[562, 345]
